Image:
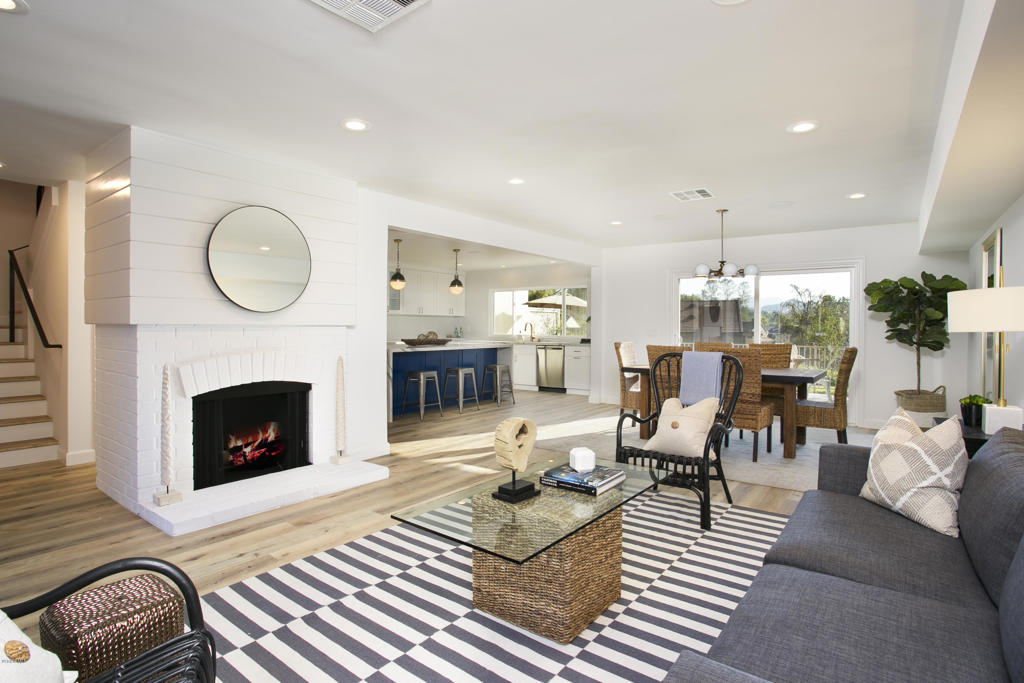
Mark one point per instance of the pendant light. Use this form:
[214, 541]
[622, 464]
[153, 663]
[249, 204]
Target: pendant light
[725, 268]
[397, 280]
[455, 287]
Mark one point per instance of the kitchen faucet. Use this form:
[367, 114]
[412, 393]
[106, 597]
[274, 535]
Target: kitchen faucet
[532, 338]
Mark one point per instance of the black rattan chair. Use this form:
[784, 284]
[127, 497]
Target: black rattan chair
[694, 473]
[189, 657]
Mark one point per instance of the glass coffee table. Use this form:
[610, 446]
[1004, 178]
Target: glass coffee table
[550, 564]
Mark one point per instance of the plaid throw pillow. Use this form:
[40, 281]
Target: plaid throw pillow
[918, 474]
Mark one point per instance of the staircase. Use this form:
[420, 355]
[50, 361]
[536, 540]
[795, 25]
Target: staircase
[26, 431]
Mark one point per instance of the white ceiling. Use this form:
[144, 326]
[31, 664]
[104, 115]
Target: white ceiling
[604, 107]
[435, 253]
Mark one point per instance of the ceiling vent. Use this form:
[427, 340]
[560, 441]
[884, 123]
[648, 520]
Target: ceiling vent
[373, 15]
[692, 195]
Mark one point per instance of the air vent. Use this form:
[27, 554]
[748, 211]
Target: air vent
[692, 195]
[373, 15]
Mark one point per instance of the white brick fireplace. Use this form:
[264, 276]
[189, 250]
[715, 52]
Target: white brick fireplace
[152, 201]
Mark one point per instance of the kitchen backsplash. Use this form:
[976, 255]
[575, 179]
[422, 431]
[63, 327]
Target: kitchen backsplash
[408, 326]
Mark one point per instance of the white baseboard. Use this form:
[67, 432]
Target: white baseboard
[72, 458]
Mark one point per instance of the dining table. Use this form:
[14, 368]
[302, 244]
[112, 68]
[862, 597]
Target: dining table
[793, 382]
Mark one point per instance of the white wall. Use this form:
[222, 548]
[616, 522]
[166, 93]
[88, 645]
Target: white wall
[17, 215]
[408, 326]
[152, 203]
[1012, 223]
[637, 299]
[54, 269]
[480, 284]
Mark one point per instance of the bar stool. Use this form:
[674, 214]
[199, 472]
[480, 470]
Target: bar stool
[422, 377]
[460, 375]
[499, 374]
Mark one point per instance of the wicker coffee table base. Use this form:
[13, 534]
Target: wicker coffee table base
[561, 591]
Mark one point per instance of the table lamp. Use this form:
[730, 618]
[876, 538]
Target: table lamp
[995, 309]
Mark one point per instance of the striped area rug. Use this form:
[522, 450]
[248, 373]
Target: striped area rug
[397, 606]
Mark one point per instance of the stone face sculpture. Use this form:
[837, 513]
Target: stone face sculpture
[513, 442]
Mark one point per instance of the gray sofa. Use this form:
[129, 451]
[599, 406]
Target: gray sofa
[854, 592]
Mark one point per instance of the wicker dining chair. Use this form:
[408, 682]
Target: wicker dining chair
[724, 347]
[630, 398]
[753, 411]
[775, 356]
[694, 473]
[830, 415]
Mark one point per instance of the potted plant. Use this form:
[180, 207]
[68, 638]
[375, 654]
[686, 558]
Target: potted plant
[970, 408]
[917, 318]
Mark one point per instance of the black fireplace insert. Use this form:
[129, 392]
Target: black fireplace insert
[249, 430]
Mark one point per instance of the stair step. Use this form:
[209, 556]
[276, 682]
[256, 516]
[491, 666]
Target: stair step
[17, 429]
[15, 453]
[19, 386]
[13, 351]
[19, 334]
[17, 367]
[32, 405]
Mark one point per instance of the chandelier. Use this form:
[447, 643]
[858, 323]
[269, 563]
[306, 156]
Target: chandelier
[725, 268]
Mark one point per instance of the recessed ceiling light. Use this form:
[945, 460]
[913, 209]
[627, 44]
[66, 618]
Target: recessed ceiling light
[856, 195]
[516, 181]
[552, 261]
[503, 265]
[802, 126]
[616, 222]
[2, 164]
[264, 248]
[726, 3]
[14, 6]
[357, 125]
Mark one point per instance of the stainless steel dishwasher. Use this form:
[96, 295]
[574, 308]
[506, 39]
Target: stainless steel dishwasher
[551, 367]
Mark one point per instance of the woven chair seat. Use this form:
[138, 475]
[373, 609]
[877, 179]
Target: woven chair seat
[755, 416]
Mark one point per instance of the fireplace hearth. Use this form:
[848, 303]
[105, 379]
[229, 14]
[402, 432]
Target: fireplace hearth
[249, 430]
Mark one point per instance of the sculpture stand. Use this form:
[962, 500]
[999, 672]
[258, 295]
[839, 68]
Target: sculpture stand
[516, 491]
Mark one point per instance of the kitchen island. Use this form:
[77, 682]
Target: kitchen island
[465, 353]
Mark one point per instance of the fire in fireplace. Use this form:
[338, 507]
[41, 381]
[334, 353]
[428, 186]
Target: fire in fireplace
[249, 430]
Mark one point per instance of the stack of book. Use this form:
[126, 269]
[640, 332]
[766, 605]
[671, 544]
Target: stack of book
[595, 482]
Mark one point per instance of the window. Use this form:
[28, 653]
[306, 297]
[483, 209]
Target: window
[552, 312]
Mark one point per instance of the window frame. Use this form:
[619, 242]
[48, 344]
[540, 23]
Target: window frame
[513, 337]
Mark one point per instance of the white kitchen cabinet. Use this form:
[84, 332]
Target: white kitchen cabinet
[577, 367]
[426, 293]
[524, 364]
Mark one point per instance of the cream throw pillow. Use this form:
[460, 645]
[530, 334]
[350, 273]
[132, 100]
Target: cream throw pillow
[918, 474]
[683, 431]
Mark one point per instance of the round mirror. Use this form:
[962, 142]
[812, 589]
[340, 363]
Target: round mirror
[258, 258]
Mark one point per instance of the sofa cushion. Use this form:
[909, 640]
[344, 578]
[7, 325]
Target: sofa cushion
[795, 625]
[849, 537]
[1011, 616]
[992, 507]
[918, 474]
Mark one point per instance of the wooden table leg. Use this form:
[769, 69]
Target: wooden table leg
[789, 420]
[801, 432]
[645, 401]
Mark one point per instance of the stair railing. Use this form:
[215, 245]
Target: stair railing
[15, 270]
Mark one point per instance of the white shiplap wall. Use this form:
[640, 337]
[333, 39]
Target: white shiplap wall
[151, 203]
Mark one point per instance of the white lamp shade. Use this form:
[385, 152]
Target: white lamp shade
[750, 270]
[998, 309]
[730, 269]
[701, 270]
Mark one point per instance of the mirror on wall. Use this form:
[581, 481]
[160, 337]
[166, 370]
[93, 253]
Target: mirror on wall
[259, 258]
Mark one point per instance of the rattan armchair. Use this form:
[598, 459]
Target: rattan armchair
[188, 657]
[694, 473]
[830, 415]
[753, 412]
[630, 396]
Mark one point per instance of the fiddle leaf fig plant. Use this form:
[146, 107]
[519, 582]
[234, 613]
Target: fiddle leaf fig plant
[917, 310]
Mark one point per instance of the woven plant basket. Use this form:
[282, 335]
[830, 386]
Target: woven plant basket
[922, 401]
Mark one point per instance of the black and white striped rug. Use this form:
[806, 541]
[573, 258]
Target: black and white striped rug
[397, 606]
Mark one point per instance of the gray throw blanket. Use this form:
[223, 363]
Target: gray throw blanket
[700, 376]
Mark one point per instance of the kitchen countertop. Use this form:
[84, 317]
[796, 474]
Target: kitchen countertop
[402, 347]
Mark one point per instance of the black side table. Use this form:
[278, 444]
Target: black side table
[974, 438]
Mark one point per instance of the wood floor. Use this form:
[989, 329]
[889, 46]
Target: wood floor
[55, 524]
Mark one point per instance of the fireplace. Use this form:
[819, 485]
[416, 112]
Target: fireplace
[249, 430]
